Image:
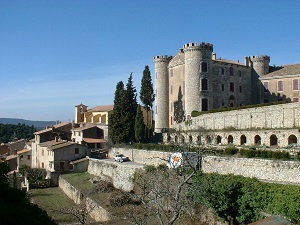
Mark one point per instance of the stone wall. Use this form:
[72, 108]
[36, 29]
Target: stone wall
[97, 212]
[145, 157]
[268, 117]
[121, 175]
[263, 169]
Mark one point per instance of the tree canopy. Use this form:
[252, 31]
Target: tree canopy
[20, 131]
[139, 125]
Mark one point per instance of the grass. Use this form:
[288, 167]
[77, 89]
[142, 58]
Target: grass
[53, 199]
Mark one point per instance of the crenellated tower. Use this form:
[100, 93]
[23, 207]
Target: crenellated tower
[198, 63]
[260, 64]
[161, 92]
[260, 67]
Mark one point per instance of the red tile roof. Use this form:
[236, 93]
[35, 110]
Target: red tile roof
[285, 70]
[103, 108]
[94, 140]
[23, 151]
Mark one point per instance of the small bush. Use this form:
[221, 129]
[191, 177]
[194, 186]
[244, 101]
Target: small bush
[45, 183]
[150, 168]
[231, 151]
[119, 198]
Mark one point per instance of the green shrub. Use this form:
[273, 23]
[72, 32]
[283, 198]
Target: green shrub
[231, 151]
[298, 156]
[150, 168]
[45, 183]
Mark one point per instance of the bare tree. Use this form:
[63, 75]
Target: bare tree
[80, 211]
[163, 191]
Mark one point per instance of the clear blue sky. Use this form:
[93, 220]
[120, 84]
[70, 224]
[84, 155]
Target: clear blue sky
[60, 53]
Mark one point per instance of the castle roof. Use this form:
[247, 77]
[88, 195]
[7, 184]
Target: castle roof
[285, 70]
[85, 127]
[103, 108]
[229, 61]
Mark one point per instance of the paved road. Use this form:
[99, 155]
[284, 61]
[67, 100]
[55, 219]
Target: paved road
[129, 163]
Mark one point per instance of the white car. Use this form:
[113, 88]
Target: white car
[120, 158]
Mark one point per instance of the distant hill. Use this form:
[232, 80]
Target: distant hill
[39, 125]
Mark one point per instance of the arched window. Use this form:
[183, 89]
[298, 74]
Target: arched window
[198, 139]
[230, 139]
[222, 71]
[257, 140]
[219, 139]
[292, 139]
[243, 140]
[176, 139]
[182, 139]
[204, 67]
[191, 139]
[273, 140]
[204, 104]
[204, 85]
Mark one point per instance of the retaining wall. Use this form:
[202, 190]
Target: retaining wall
[263, 169]
[98, 213]
[120, 174]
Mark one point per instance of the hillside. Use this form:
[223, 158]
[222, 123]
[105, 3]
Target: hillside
[37, 124]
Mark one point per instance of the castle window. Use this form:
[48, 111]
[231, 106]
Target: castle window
[222, 71]
[204, 104]
[171, 120]
[231, 71]
[231, 87]
[266, 86]
[295, 99]
[204, 67]
[204, 85]
[280, 85]
[295, 85]
[240, 88]
[223, 87]
[240, 73]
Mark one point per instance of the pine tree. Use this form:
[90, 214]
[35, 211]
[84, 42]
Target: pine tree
[130, 112]
[139, 125]
[147, 95]
[178, 108]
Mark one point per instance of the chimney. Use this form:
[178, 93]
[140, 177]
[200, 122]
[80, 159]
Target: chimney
[214, 56]
[56, 139]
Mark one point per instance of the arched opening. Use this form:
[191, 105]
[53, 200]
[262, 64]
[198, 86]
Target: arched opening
[198, 139]
[182, 139]
[292, 139]
[257, 140]
[208, 139]
[230, 139]
[273, 140]
[176, 139]
[169, 138]
[219, 139]
[191, 139]
[243, 140]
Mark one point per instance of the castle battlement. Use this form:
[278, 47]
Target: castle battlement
[162, 57]
[264, 57]
[196, 44]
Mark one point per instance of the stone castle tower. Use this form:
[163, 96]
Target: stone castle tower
[198, 59]
[207, 82]
[162, 90]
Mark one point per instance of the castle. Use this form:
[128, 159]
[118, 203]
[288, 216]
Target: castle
[207, 82]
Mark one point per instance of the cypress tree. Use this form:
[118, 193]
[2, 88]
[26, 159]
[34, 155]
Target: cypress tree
[139, 125]
[147, 94]
[130, 112]
[116, 119]
[178, 108]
